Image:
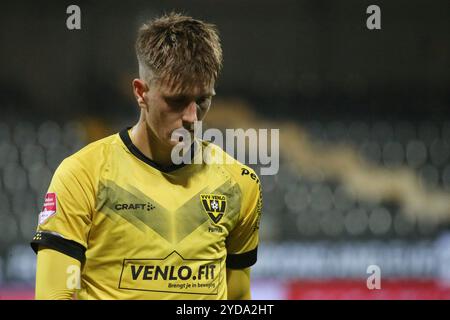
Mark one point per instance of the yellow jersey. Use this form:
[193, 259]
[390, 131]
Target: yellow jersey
[145, 232]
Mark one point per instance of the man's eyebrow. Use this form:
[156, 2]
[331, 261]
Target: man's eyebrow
[186, 96]
[176, 96]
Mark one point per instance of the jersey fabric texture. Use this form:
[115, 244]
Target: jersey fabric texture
[145, 232]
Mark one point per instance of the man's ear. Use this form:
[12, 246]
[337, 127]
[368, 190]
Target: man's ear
[140, 90]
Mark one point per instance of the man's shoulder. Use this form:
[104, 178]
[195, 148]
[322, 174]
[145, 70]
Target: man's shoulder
[241, 173]
[90, 156]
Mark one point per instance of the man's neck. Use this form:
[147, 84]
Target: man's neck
[147, 142]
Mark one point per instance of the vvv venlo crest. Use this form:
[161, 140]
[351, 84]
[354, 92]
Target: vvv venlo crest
[214, 205]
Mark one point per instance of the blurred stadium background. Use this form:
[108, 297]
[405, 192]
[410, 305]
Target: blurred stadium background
[364, 119]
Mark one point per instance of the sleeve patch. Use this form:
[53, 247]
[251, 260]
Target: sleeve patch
[49, 207]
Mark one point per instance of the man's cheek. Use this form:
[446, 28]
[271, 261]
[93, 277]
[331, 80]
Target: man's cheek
[202, 114]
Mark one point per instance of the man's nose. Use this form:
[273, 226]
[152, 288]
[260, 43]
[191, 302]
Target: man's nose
[190, 113]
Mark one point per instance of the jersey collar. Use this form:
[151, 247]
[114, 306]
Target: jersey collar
[124, 135]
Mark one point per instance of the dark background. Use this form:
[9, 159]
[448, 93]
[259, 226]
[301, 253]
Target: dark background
[290, 58]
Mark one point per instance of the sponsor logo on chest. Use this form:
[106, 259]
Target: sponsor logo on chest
[134, 206]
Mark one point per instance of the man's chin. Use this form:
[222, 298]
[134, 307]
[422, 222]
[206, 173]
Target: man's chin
[183, 142]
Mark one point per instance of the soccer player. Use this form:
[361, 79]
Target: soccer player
[122, 221]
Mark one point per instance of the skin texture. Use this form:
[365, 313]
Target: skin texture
[238, 284]
[52, 275]
[163, 110]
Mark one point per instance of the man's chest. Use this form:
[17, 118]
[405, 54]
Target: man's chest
[199, 209]
[158, 236]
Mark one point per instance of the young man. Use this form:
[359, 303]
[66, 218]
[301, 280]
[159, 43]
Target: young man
[126, 221]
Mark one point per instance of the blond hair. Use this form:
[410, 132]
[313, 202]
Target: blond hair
[179, 50]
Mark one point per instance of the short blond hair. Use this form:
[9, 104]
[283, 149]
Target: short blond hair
[179, 50]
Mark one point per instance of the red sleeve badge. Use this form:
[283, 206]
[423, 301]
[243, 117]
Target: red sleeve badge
[49, 207]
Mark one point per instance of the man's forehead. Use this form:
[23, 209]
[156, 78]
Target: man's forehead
[190, 89]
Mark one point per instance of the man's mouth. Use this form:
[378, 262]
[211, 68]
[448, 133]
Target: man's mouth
[180, 137]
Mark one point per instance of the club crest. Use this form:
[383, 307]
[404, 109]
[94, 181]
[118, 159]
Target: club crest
[214, 205]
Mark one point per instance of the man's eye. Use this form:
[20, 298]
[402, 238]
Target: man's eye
[176, 102]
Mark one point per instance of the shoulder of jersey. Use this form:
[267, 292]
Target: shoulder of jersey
[91, 154]
[242, 173]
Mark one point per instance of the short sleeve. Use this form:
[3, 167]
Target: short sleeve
[242, 242]
[65, 218]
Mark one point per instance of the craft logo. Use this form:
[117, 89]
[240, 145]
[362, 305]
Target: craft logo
[134, 206]
[214, 205]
